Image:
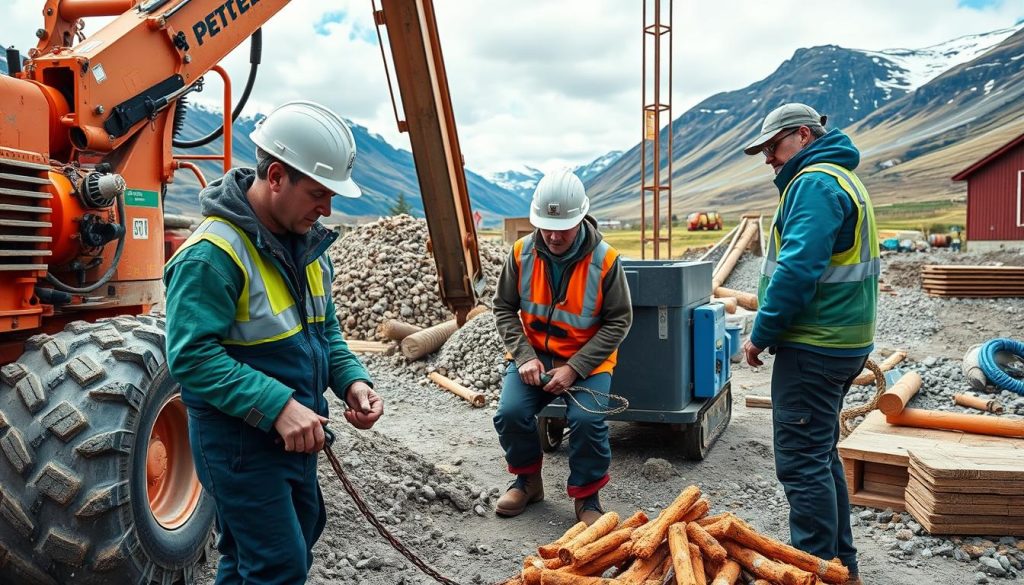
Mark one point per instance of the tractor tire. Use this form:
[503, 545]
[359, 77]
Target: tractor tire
[97, 484]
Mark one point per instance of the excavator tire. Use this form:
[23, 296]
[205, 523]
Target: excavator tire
[97, 484]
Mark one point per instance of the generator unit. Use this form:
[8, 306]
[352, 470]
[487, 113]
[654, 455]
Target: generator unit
[673, 366]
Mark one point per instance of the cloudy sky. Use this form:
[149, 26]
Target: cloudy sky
[551, 83]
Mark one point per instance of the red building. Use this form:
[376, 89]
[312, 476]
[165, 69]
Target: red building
[995, 199]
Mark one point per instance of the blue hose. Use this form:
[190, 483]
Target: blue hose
[995, 374]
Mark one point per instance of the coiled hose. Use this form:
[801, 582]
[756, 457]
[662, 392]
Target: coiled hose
[995, 374]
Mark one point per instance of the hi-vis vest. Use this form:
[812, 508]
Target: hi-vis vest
[561, 329]
[266, 310]
[841, 314]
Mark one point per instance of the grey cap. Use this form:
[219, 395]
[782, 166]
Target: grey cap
[785, 116]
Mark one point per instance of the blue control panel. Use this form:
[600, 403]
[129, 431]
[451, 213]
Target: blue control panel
[710, 351]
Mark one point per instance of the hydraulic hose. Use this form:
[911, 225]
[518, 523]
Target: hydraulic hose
[255, 54]
[995, 374]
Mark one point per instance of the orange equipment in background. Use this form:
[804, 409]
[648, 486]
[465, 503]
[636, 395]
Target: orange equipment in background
[703, 220]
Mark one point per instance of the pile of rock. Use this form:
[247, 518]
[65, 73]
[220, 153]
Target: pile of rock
[474, 356]
[908, 543]
[382, 270]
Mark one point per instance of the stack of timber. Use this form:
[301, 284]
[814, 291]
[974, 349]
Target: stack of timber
[981, 491]
[682, 545]
[973, 281]
[876, 457]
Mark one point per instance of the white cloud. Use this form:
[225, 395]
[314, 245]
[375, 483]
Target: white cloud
[546, 83]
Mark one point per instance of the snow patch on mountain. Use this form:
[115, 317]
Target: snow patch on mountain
[909, 69]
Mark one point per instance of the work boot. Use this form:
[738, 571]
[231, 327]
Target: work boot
[525, 490]
[854, 580]
[588, 509]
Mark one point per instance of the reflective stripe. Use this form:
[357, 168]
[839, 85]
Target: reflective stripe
[266, 311]
[594, 278]
[318, 275]
[573, 320]
[588, 317]
[840, 273]
[855, 187]
[869, 264]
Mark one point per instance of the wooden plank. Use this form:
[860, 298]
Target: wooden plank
[969, 504]
[878, 441]
[971, 278]
[874, 487]
[980, 528]
[922, 513]
[360, 346]
[879, 448]
[886, 479]
[949, 462]
[962, 498]
[969, 268]
[974, 295]
[1010, 292]
[894, 471]
[861, 496]
[880, 501]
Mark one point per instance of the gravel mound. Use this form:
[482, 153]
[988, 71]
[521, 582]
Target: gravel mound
[474, 356]
[382, 270]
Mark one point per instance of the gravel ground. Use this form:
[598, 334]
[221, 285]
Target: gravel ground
[432, 467]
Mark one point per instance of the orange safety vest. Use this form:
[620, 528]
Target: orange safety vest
[562, 329]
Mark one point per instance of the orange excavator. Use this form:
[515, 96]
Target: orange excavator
[97, 483]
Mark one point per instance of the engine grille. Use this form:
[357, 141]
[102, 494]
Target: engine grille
[24, 225]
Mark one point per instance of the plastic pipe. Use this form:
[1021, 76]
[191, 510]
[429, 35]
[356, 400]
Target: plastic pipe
[896, 398]
[955, 421]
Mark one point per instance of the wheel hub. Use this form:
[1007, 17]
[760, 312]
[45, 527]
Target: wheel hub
[156, 462]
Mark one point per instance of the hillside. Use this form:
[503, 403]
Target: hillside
[381, 170]
[915, 131]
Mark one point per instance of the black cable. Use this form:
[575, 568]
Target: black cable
[255, 53]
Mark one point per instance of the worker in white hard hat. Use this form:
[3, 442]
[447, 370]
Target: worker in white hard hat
[562, 308]
[253, 339]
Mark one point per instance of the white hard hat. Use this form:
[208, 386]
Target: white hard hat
[314, 141]
[559, 202]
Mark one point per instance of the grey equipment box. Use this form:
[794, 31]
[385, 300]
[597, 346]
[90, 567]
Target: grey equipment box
[655, 363]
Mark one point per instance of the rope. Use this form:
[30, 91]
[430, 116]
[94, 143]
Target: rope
[353, 493]
[597, 395]
[989, 365]
[854, 411]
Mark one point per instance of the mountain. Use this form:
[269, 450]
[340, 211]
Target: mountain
[596, 166]
[381, 170]
[523, 181]
[889, 101]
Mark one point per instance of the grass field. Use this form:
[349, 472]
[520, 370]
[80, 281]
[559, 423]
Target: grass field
[924, 216]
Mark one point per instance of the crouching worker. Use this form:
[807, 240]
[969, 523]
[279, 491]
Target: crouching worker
[562, 308]
[254, 341]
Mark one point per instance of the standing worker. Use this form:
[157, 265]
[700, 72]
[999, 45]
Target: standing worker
[817, 295]
[562, 308]
[254, 341]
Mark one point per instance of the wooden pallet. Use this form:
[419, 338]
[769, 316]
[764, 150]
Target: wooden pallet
[973, 281]
[876, 457]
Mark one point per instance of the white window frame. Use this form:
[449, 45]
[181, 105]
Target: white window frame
[1020, 198]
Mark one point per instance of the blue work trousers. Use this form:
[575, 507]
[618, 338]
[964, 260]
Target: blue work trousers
[516, 423]
[807, 396]
[270, 510]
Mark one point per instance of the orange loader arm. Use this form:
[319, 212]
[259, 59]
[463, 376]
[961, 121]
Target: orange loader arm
[86, 136]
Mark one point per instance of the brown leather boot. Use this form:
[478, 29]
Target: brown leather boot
[527, 489]
[588, 509]
[854, 580]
